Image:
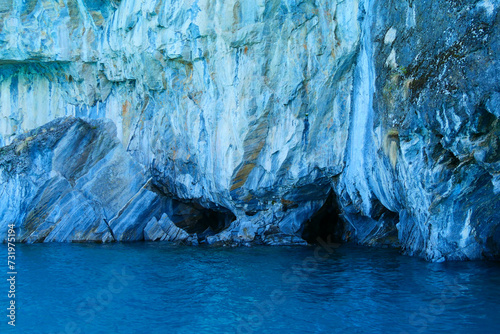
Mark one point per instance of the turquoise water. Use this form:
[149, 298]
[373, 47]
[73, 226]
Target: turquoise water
[161, 288]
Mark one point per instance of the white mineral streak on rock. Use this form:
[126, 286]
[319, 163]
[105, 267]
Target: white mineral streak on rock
[359, 147]
[390, 36]
[391, 60]
[488, 6]
[466, 230]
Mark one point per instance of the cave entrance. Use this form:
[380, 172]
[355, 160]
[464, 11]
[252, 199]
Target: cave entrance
[326, 224]
[206, 222]
[212, 222]
[194, 218]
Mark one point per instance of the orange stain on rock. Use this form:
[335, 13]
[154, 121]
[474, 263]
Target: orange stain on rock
[125, 108]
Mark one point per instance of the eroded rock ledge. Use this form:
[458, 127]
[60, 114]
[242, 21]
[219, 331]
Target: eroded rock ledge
[239, 121]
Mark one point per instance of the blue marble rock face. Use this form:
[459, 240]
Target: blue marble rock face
[232, 122]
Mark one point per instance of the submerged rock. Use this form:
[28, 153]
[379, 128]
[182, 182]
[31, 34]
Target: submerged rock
[253, 121]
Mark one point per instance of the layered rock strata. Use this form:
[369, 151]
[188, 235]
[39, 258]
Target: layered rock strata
[253, 121]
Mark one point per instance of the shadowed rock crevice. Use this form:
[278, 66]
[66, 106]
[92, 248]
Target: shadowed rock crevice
[206, 222]
[493, 244]
[379, 228]
[199, 221]
[110, 229]
[325, 224]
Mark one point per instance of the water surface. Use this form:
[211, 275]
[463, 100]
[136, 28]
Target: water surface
[162, 288]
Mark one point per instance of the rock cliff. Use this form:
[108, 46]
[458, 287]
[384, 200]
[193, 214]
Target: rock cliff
[238, 121]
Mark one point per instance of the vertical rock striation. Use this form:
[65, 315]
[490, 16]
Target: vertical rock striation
[251, 121]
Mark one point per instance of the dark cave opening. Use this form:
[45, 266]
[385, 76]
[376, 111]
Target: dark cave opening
[326, 224]
[206, 222]
[194, 218]
[212, 222]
